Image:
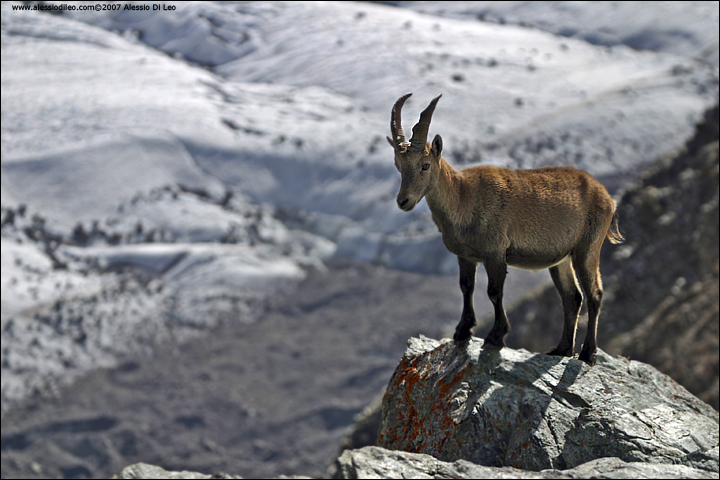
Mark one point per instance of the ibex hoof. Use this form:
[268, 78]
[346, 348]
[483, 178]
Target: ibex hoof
[560, 352]
[494, 343]
[587, 357]
[462, 338]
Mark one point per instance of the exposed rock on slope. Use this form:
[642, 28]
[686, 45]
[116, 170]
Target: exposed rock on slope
[535, 412]
[376, 462]
[663, 280]
[143, 470]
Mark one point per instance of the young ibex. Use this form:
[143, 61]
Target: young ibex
[554, 217]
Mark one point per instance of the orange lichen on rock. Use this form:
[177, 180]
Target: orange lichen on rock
[432, 372]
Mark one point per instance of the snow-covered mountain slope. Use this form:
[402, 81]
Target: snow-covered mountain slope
[688, 29]
[208, 153]
[184, 266]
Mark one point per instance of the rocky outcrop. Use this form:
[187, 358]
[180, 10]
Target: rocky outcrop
[376, 462]
[536, 412]
[145, 471]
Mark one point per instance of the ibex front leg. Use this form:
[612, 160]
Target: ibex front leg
[463, 332]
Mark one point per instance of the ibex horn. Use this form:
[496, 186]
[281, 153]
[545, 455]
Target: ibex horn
[395, 124]
[420, 130]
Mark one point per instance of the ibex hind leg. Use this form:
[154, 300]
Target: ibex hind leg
[589, 275]
[563, 276]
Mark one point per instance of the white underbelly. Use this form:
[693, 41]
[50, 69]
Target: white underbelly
[536, 267]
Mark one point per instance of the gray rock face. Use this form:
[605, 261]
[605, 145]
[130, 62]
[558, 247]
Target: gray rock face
[145, 471]
[376, 462]
[535, 412]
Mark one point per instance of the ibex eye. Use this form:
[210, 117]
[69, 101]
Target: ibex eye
[426, 166]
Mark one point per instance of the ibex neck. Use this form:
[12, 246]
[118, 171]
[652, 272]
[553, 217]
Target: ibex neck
[446, 198]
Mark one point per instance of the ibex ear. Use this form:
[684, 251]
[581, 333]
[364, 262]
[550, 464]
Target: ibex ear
[392, 144]
[437, 146]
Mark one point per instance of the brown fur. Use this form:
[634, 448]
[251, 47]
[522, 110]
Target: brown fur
[554, 217]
